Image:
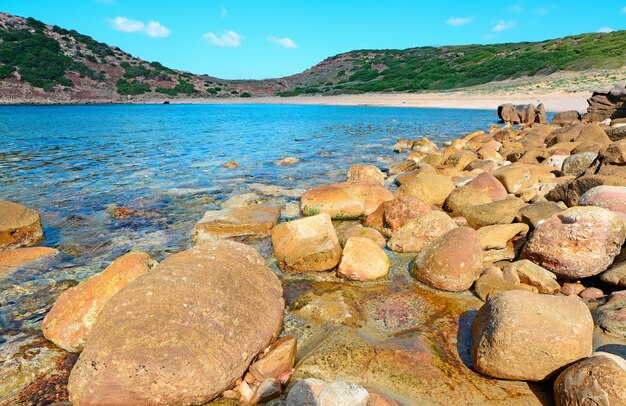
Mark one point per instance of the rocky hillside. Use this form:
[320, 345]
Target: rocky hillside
[40, 63]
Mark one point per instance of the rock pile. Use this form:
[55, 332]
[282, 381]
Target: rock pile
[607, 103]
[522, 113]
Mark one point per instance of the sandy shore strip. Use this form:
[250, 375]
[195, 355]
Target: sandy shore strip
[553, 101]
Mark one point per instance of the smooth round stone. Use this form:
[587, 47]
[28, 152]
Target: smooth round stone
[591, 293]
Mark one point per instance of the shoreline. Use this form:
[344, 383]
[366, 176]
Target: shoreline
[553, 101]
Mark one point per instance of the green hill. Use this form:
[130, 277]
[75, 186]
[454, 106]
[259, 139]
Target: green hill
[43, 63]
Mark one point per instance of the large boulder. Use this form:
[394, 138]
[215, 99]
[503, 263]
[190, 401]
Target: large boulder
[566, 117]
[597, 380]
[452, 262]
[521, 113]
[610, 316]
[609, 197]
[238, 223]
[533, 275]
[524, 336]
[607, 103]
[347, 200]
[363, 260]
[183, 333]
[306, 245]
[577, 242]
[577, 164]
[500, 212]
[484, 188]
[71, 318]
[366, 173]
[420, 232]
[431, 188]
[19, 225]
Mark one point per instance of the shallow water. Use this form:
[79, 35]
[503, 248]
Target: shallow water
[73, 163]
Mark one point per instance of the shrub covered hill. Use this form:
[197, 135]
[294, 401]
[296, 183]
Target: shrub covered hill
[40, 63]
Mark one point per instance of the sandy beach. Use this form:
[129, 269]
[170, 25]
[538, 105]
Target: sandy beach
[553, 101]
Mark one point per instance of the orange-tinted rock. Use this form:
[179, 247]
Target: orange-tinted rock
[500, 212]
[122, 212]
[237, 222]
[452, 262]
[363, 260]
[230, 165]
[19, 225]
[421, 231]
[344, 200]
[399, 211]
[11, 260]
[597, 380]
[366, 173]
[577, 242]
[357, 230]
[432, 189]
[182, 333]
[514, 178]
[560, 329]
[71, 318]
[280, 357]
[306, 245]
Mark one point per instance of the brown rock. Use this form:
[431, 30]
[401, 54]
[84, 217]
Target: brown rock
[431, 188]
[501, 212]
[616, 275]
[576, 243]
[615, 153]
[452, 262]
[572, 288]
[566, 117]
[498, 236]
[591, 293]
[306, 245]
[597, 380]
[489, 285]
[19, 225]
[363, 260]
[571, 192]
[183, 333]
[508, 322]
[287, 161]
[485, 188]
[357, 230]
[230, 165]
[399, 211]
[12, 260]
[237, 223]
[72, 317]
[533, 213]
[514, 178]
[420, 232]
[347, 200]
[534, 275]
[366, 173]
[278, 358]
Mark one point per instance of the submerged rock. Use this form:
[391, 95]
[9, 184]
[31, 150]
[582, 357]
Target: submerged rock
[183, 333]
[306, 245]
[559, 328]
[576, 243]
[71, 318]
[12, 260]
[418, 233]
[19, 225]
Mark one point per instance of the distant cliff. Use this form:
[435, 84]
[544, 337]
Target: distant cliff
[40, 63]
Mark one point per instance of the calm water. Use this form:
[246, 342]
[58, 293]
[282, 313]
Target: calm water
[71, 164]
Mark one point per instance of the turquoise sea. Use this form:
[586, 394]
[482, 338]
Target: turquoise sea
[74, 163]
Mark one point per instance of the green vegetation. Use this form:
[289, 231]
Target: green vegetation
[245, 94]
[134, 87]
[431, 68]
[182, 87]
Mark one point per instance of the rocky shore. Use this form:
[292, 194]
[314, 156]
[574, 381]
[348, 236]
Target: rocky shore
[487, 270]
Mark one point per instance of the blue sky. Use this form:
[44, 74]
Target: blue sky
[237, 39]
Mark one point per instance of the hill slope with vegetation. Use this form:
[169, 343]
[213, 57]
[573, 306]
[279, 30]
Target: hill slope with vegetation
[40, 63]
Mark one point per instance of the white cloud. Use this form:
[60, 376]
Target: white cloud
[502, 25]
[153, 29]
[605, 29]
[283, 42]
[127, 25]
[459, 21]
[227, 39]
